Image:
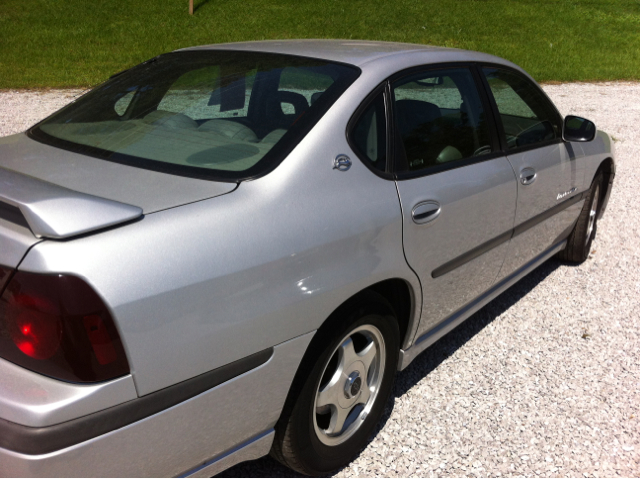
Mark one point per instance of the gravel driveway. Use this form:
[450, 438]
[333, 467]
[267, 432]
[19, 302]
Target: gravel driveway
[543, 381]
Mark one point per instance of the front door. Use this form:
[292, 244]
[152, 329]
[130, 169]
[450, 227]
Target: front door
[548, 176]
[458, 192]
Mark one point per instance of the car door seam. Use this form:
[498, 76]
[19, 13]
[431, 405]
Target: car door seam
[487, 246]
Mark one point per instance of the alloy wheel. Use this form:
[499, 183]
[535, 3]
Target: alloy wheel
[349, 386]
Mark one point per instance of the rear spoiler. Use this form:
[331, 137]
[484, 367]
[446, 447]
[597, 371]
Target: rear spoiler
[52, 211]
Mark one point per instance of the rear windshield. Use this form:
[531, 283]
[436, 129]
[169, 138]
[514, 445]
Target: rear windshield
[219, 115]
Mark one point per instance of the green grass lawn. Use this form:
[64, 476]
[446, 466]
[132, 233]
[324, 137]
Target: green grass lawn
[67, 43]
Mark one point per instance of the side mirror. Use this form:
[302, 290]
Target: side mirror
[578, 129]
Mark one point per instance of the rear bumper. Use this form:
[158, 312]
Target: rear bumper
[208, 432]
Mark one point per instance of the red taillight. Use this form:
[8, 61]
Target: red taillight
[100, 339]
[58, 326]
[35, 332]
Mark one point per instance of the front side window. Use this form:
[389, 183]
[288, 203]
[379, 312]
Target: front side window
[207, 114]
[528, 118]
[440, 118]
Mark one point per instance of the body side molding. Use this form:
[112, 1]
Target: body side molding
[41, 440]
[504, 237]
[431, 336]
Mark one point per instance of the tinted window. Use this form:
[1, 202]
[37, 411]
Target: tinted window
[299, 88]
[199, 94]
[527, 115]
[440, 118]
[210, 114]
[369, 134]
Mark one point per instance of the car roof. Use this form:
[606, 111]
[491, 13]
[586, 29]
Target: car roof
[360, 52]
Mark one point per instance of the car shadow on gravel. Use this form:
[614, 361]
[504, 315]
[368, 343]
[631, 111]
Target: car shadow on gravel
[426, 362]
[451, 342]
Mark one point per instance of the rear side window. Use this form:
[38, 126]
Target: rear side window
[528, 117]
[205, 114]
[369, 134]
[440, 118]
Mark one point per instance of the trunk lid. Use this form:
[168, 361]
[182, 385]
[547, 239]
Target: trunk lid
[46, 192]
[16, 241]
[52, 211]
[151, 191]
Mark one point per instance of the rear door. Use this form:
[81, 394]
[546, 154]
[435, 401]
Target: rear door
[458, 191]
[547, 171]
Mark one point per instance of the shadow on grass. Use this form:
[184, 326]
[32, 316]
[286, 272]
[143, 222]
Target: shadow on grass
[426, 362]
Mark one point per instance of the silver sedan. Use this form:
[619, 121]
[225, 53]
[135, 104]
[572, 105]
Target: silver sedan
[228, 251]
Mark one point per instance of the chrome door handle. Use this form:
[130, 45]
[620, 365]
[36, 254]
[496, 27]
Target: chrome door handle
[425, 212]
[528, 176]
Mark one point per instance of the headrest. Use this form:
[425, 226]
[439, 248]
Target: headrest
[414, 113]
[298, 100]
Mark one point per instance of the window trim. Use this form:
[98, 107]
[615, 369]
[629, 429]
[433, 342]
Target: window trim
[494, 136]
[381, 89]
[496, 112]
[269, 162]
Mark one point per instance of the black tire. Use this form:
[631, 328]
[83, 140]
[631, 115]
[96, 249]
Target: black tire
[301, 439]
[580, 239]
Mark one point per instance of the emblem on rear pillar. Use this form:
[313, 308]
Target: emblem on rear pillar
[342, 163]
[562, 195]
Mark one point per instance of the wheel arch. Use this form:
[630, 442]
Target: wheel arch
[608, 169]
[402, 298]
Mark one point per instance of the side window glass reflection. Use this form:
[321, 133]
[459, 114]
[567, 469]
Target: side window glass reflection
[440, 118]
[527, 116]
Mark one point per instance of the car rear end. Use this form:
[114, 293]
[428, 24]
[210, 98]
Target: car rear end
[122, 348]
[69, 405]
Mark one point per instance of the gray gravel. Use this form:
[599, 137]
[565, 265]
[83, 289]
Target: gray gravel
[543, 381]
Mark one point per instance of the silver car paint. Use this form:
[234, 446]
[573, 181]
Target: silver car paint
[35, 400]
[468, 197]
[253, 448]
[104, 179]
[304, 239]
[555, 173]
[595, 152]
[376, 56]
[427, 339]
[16, 241]
[56, 212]
[178, 439]
[275, 258]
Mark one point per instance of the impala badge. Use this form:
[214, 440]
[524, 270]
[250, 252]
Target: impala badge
[342, 163]
[562, 195]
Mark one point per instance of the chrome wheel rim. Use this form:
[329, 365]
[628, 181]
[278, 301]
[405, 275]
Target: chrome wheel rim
[349, 386]
[592, 214]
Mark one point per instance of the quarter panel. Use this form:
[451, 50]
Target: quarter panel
[180, 438]
[196, 287]
[595, 152]
[16, 241]
[34, 400]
